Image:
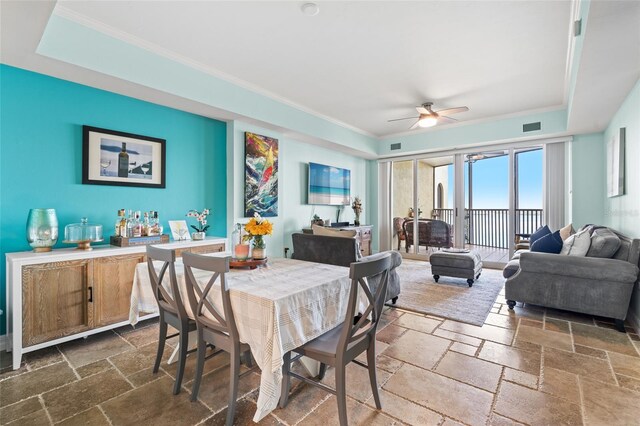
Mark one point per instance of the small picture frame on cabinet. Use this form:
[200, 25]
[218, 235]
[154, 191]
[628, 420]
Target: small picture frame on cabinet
[179, 230]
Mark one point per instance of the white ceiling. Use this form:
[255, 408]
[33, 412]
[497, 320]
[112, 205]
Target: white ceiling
[363, 63]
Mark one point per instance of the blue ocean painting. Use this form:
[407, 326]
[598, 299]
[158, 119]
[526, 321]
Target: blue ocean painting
[329, 185]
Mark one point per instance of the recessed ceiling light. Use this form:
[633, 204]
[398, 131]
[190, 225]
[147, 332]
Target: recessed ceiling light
[310, 9]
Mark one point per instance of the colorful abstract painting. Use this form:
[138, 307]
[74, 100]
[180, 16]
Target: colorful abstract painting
[261, 176]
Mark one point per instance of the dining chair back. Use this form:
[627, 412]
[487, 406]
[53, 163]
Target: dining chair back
[214, 327]
[171, 308]
[344, 343]
[361, 331]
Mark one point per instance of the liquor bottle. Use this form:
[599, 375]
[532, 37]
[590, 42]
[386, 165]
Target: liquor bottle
[123, 229]
[159, 227]
[153, 223]
[119, 223]
[137, 225]
[145, 225]
[130, 221]
[123, 162]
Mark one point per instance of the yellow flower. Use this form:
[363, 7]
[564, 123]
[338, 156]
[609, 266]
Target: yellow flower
[258, 226]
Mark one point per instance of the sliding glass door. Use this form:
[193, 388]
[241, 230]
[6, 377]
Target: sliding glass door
[422, 205]
[487, 201]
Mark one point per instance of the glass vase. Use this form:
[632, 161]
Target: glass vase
[42, 229]
[259, 253]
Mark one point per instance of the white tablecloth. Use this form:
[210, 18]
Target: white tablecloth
[277, 309]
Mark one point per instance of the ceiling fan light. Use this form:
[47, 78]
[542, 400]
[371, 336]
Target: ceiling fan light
[428, 121]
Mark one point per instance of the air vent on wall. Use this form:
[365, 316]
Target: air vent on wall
[395, 146]
[531, 127]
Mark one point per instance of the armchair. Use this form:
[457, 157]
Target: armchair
[431, 233]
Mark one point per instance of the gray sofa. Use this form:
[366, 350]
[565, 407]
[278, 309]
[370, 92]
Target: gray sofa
[342, 252]
[590, 285]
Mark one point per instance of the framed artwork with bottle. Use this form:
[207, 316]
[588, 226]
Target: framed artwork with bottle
[111, 157]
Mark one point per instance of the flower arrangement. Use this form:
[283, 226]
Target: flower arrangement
[356, 205]
[257, 228]
[201, 217]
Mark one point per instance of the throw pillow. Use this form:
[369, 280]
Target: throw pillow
[550, 243]
[604, 243]
[567, 231]
[577, 244]
[540, 232]
[321, 230]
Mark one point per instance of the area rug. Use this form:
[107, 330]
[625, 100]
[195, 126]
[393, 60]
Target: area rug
[451, 297]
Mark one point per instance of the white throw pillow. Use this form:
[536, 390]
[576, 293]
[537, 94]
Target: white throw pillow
[321, 230]
[577, 244]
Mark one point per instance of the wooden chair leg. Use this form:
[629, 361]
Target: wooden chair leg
[371, 363]
[161, 341]
[182, 357]
[202, 348]
[286, 380]
[234, 372]
[341, 394]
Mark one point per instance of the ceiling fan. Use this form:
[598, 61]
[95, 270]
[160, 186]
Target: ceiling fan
[428, 117]
[472, 158]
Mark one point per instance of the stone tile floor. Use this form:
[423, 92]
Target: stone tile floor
[529, 366]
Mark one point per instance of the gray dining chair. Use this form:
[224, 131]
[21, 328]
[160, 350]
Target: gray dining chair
[215, 328]
[345, 342]
[171, 309]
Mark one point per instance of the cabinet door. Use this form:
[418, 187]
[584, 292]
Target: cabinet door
[213, 248]
[55, 300]
[113, 280]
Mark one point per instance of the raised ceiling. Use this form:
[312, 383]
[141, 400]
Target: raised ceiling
[356, 63]
[362, 63]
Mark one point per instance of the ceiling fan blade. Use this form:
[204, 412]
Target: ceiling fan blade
[450, 111]
[415, 125]
[422, 110]
[446, 119]
[399, 119]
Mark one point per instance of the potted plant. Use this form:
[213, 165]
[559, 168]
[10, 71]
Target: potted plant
[317, 221]
[202, 227]
[257, 228]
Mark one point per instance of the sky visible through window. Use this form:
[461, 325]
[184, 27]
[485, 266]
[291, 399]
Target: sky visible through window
[491, 182]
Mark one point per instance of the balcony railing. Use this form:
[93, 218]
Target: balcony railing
[489, 227]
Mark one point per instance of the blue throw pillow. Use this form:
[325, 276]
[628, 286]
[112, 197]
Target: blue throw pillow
[550, 243]
[540, 232]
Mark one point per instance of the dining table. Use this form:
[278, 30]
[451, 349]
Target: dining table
[277, 308]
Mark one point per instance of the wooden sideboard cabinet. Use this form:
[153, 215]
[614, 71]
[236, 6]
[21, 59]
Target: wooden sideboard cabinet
[363, 235]
[67, 294]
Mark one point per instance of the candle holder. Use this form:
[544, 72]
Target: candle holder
[42, 229]
[241, 251]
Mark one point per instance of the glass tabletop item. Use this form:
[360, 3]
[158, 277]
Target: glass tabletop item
[83, 234]
[42, 229]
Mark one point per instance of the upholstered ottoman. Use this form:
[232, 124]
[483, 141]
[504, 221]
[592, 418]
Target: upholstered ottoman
[459, 265]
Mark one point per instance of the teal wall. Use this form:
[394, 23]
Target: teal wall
[293, 211]
[41, 158]
[588, 183]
